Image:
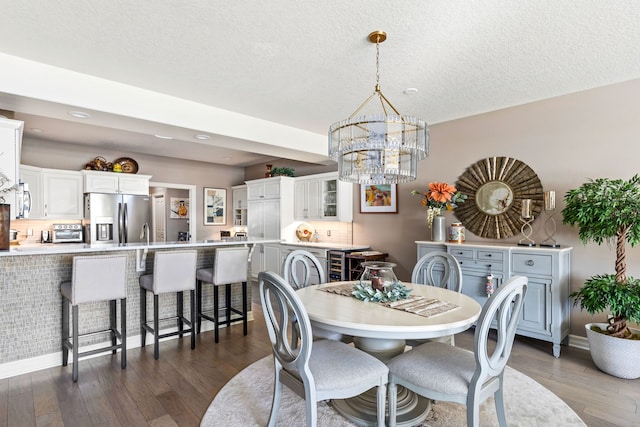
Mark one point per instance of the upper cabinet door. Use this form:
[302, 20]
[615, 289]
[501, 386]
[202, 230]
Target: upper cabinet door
[62, 194]
[10, 146]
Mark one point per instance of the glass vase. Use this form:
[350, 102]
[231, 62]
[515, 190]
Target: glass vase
[438, 229]
[379, 273]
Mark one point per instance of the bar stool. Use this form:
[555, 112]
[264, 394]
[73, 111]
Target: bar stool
[95, 278]
[173, 271]
[229, 266]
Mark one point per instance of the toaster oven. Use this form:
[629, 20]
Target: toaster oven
[67, 233]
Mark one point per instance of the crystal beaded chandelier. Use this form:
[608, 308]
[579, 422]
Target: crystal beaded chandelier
[380, 148]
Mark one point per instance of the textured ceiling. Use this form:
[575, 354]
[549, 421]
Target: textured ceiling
[306, 64]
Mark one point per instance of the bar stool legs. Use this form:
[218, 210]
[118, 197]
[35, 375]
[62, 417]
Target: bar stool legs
[214, 315]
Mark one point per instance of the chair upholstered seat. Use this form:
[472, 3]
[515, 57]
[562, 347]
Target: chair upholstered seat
[205, 275]
[449, 369]
[345, 370]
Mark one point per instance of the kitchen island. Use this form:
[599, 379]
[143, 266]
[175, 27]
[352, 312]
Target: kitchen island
[31, 307]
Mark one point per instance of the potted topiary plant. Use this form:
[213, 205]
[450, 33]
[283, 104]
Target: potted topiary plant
[609, 210]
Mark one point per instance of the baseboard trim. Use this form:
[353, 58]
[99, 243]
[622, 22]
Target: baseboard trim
[51, 360]
[578, 342]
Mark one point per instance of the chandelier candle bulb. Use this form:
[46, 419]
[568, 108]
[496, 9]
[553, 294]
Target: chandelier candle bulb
[550, 200]
[526, 208]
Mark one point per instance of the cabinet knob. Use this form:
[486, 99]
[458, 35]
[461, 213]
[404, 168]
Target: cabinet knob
[460, 253]
[489, 255]
[529, 262]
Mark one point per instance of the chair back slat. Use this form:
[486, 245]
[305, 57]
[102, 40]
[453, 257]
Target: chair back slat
[300, 266]
[439, 269]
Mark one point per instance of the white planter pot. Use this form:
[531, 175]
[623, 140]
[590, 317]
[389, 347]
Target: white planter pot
[615, 356]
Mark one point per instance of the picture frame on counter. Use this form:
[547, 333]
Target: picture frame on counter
[378, 198]
[215, 206]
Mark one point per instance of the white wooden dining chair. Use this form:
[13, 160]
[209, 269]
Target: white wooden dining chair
[437, 268]
[300, 269]
[446, 373]
[316, 370]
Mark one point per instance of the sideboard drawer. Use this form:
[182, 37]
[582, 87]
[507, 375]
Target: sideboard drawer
[461, 253]
[490, 255]
[532, 264]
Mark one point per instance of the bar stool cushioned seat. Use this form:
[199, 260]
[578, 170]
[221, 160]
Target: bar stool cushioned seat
[173, 271]
[95, 278]
[230, 266]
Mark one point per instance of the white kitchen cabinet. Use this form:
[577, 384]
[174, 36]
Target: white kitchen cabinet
[115, 183]
[545, 312]
[10, 146]
[269, 211]
[239, 205]
[308, 199]
[33, 176]
[62, 194]
[323, 197]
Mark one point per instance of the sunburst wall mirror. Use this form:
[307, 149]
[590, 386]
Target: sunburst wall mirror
[496, 187]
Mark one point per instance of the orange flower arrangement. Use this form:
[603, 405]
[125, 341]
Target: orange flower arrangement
[439, 196]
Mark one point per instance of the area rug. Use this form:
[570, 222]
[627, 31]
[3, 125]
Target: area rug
[246, 401]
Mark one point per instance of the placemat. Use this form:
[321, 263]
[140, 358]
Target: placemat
[422, 306]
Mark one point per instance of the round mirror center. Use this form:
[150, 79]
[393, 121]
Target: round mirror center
[494, 197]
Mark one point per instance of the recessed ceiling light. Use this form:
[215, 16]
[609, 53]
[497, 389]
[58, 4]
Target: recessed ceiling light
[79, 114]
[163, 136]
[226, 158]
[202, 136]
[410, 90]
[36, 130]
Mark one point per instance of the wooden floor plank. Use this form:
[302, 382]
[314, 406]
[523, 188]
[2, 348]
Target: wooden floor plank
[4, 401]
[45, 402]
[21, 411]
[179, 410]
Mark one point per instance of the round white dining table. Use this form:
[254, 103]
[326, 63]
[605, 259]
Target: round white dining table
[382, 331]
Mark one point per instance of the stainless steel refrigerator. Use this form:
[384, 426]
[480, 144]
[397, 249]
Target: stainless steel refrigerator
[116, 218]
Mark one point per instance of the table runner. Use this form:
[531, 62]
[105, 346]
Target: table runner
[422, 306]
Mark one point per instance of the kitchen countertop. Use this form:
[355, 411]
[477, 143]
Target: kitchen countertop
[330, 246]
[53, 248]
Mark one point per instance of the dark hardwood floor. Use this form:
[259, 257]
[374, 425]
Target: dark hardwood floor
[177, 389]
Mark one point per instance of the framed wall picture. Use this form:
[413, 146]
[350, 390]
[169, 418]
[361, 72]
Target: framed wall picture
[215, 206]
[378, 198]
[179, 208]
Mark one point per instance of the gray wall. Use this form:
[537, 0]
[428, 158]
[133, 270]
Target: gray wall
[565, 140]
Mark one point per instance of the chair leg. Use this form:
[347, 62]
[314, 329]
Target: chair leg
[143, 316]
[499, 401]
[123, 333]
[227, 299]
[198, 305]
[216, 300]
[392, 389]
[381, 401]
[192, 313]
[180, 312]
[244, 307]
[112, 324]
[156, 327]
[74, 315]
[65, 331]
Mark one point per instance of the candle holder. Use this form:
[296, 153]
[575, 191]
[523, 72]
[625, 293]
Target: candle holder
[550, 222]
[527, 218]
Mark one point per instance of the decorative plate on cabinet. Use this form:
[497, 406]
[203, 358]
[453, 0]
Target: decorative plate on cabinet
[128, 164]
[305, 232]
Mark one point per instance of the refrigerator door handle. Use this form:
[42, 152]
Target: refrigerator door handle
[125, 231]
[120, 223]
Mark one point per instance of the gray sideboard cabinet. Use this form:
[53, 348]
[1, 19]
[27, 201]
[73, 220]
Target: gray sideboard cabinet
[546, 311]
